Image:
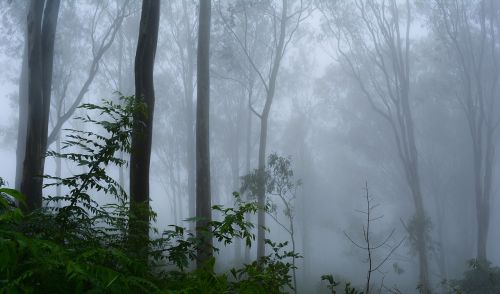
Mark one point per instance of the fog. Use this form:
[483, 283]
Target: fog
[392, 101]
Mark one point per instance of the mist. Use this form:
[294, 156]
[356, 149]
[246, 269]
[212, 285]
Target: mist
[365, 131]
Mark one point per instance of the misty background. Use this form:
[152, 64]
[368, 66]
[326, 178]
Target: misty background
[328, 114]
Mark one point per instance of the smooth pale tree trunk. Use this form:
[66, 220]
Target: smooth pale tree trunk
[261, 196]
[247, 161]
[203, 196]
[40, 40]
[235, 165]
[413, 179]
[58, 166]
[483, 167]
[191, 155]
[121, 169]
[143, 125]
[420, 235]
[188, 85]
[23, 118]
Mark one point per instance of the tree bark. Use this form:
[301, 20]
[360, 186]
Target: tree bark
[40, 40]
[203, 197]
[140, 156]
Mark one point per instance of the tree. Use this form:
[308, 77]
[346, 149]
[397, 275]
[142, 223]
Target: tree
[203, 197]
[140, 156]
[281, 183]
[182, 21]
[64, 73]
[41, 28]
[367, 243]
[373, 40]
[469, 29]
[284, 24]
[99, 48]
[188, 85]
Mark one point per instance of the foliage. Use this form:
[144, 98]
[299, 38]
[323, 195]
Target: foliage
[333, 284]
[481, 277]
[271, 274]
[280, 183]
[419, 223]
[281, 186]
[76, 244]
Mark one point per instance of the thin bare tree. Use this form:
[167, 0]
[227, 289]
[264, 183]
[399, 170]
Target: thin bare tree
[284, 22]
[374, 265]
[373, 41]
[100, 44]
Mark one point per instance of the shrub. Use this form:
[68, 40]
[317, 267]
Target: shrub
[80, 245]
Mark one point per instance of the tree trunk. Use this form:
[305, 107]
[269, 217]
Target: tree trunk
[189, 112]
[40, 40]
[121, 169]
[23, 119]
[261, 196]
[483, 188]
[421, 239]
[235, 165]
[478, 65]
[140, 156]
[47, 43]
[58, 165]
[248, 151]
[483, 216]
[203, 198]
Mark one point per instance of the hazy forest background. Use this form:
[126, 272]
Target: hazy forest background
[360, 136]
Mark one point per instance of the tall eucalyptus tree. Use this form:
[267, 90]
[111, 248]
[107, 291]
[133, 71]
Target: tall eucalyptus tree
[140, 156]
[41, 29]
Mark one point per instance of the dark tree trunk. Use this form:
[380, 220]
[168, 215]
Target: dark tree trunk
[48, 38]
[203, 197]
[40, 40]
[143, 125]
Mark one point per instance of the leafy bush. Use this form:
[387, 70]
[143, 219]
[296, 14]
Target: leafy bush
[480, 278]
[333, 285]
[80, 245]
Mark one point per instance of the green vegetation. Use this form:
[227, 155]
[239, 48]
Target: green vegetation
[81, 243]
[76, 244]
[480, 278]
